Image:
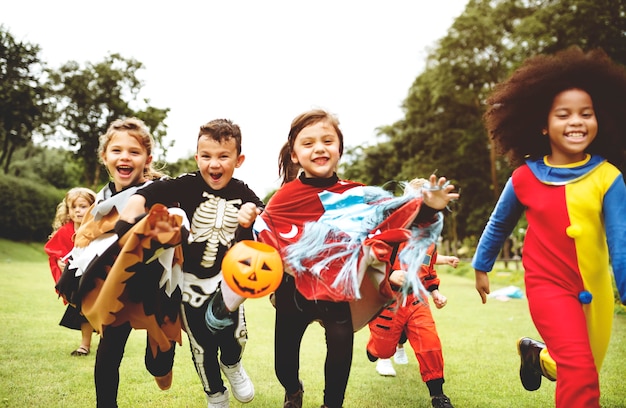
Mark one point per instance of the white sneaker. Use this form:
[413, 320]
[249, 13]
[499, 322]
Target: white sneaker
[218, 400]
[240, 383]
[384, 367]
[400, 356]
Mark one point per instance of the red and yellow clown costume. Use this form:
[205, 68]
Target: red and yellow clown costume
[412, 316]
[576, 223]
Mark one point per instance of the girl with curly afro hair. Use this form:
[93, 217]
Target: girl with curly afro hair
[561, 121]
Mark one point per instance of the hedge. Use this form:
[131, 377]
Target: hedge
[27, 209]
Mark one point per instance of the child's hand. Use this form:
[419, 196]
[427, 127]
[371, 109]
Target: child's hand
[162, 222]
[439, 195]
[482, 284]
[247, 214]
[60, 264]
[453, 261]
[397, 277]
[438, 299]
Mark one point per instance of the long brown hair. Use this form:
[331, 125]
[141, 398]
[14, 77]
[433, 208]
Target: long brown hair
[287, 169]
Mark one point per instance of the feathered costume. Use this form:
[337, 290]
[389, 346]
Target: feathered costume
[136, 278]
[573, 212]
[338, 241]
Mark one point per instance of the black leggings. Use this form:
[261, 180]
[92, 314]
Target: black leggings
[108, 360]
[204, 344]
[293, 315]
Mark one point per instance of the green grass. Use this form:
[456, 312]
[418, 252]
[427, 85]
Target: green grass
[36, 369]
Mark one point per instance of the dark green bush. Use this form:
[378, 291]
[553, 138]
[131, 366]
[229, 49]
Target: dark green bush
[27, 209]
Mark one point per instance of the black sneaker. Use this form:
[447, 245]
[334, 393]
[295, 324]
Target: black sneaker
[294, 400]
[530, 366]
[441, 401]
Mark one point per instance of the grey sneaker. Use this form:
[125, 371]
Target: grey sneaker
[218, 400]
[400, 357]
[240, 383]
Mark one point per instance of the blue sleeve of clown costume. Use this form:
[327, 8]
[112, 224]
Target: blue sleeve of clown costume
[615, 225]
[503, 219]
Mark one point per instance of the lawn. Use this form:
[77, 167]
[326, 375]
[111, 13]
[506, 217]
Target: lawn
[36, 369]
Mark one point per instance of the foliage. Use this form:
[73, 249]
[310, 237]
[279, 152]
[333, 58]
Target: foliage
[23, 103]
[181, 166]
[27, 209]
[442, 127]
[54, 166]
[91, 97]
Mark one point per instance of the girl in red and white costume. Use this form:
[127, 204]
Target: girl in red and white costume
[315, 145]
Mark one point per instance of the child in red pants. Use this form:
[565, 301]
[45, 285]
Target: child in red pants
[413, 317]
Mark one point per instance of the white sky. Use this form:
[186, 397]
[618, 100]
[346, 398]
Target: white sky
[259, 63]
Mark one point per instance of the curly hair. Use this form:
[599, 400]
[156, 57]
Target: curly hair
[518, 107]
[62, 215]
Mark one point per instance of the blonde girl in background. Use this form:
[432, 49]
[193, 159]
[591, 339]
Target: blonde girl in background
[69, 215]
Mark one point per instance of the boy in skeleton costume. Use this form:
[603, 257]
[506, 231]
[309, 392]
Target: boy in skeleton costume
[221, 210]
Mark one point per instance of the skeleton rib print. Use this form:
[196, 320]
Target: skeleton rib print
[214, 221]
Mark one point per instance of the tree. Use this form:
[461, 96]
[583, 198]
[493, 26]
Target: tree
[22, 97]
[90, 98]
[442, 128]
[49, 166]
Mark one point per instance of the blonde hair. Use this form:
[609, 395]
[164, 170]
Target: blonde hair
[62, 216]
[136, 128]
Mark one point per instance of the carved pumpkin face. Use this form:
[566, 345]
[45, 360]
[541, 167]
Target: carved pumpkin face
[252, 269]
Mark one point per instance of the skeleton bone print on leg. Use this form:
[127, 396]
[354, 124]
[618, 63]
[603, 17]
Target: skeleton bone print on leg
[214, 221]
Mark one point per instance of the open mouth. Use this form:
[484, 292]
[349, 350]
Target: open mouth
[124, 170]
[575, 135]
[215, 176]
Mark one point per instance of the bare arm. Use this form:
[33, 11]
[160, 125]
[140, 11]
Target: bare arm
[453, 261]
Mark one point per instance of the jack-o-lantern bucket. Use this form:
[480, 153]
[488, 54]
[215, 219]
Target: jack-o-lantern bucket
[252, 269]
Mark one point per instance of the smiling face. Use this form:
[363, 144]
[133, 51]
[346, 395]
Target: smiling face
[125, 159]
[317, 150]
[217, 161]
[572, 126]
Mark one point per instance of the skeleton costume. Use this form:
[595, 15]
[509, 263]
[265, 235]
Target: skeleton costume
[214, 228]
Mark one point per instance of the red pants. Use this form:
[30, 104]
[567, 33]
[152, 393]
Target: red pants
[416, 320]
